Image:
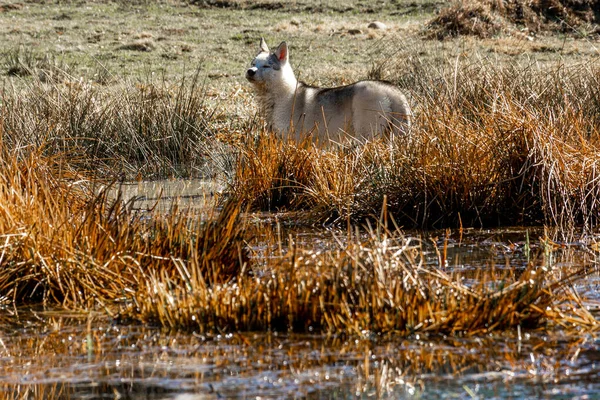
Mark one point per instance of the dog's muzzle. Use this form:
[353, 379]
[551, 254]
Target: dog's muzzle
[251, 73]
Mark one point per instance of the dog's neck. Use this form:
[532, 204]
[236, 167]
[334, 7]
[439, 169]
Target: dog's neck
[285, 87]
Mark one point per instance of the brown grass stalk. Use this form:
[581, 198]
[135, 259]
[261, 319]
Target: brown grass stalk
[153, 128]
[66, 244]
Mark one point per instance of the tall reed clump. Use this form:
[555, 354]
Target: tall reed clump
[64, 242]
[380, 284]
[271, 173]
[152, 128]
[490, 145]
[507, 144]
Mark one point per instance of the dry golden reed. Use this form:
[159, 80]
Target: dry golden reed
[381, 284]
[64, 243]
[489, 146]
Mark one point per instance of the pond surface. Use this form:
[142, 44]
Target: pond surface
[161, 195]
[57, 355]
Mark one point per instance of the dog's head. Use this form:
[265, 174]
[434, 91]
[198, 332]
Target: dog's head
[268, 67]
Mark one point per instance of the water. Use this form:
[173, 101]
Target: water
[161, 195]
[57, 355]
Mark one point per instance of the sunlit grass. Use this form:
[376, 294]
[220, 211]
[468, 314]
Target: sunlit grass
[381, 284]
[150, 128]
[66, 241]
[66, 244]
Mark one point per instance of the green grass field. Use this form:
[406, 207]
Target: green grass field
[111, 42]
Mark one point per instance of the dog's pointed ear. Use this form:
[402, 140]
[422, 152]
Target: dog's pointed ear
[263, 45]
[282, 52]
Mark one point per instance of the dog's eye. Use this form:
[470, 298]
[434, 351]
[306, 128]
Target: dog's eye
[266, 66]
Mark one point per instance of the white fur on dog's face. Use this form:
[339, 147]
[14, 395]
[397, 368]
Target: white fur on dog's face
[268, 68]
[264, 67]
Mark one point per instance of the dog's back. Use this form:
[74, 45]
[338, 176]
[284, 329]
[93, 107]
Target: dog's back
[363, 110]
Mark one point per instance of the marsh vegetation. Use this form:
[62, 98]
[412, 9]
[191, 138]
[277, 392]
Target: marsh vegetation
[380, 251]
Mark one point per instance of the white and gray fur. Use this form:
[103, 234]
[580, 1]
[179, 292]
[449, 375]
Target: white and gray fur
[360, 111]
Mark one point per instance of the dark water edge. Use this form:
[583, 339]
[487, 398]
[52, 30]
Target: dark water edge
[475, 390]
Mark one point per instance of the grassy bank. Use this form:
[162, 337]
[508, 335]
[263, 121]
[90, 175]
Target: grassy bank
[505, 132]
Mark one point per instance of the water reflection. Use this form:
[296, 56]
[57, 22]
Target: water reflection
[161, 195]
[55, 355]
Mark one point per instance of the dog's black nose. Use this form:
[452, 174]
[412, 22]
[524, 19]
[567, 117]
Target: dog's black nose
[250, 72]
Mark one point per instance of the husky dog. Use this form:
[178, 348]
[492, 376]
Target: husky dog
[360, 111]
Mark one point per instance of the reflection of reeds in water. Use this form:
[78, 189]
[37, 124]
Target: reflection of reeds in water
[140, 362]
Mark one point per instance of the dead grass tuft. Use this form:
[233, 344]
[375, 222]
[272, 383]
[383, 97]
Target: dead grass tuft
[381, 284]
[145, 44]
[486, 18]
[564, 15]
[152, 128]
[470, 17]
[271, 173]
[10, 7]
